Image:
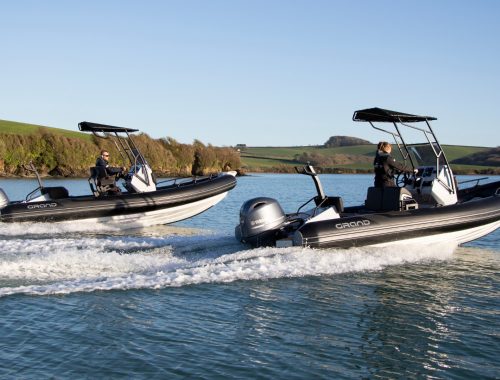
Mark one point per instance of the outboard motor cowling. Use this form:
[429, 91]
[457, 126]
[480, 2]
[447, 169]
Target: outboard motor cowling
[260, 220]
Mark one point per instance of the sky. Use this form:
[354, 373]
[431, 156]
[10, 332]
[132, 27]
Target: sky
[255, 72]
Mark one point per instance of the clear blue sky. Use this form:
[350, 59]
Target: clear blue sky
[259, 72]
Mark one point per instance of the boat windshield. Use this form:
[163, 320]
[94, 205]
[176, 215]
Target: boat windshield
[426, 154]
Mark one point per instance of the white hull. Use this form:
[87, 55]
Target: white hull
[458, 237]
[151, 218]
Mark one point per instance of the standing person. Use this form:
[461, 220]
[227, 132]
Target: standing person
[386, 166]
[103, 161]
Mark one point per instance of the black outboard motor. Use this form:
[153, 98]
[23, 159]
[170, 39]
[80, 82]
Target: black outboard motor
[260, 222]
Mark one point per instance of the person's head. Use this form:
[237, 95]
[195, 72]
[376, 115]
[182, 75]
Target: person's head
[379, 145]
[105, 155]
[386, 147]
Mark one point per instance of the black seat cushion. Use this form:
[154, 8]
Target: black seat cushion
[56, 192]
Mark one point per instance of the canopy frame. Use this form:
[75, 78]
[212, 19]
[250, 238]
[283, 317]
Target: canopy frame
[398, 119]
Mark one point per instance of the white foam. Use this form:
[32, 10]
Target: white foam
[63, 266]
[19, 229]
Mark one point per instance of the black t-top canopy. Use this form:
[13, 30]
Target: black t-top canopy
[380, 115]
[86, 126]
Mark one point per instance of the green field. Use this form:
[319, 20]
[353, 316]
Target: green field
[269, 158]
[15, 128]
[289, 152]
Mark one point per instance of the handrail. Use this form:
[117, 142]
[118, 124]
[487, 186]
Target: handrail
[474, 180]
[298, 210]
[32, 168]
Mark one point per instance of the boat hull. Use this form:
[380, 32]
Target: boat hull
[166, 205]
[457, 237]
[459, 223]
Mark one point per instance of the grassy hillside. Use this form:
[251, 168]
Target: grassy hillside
[19, 144]
[357, 158]
[60, 152]
[290, 152]
[15, 128]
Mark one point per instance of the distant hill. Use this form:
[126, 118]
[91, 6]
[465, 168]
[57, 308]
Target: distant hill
[356, 159]
[338, 141]
[490, 157]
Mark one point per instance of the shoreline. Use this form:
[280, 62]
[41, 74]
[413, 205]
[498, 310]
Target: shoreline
[241, 173]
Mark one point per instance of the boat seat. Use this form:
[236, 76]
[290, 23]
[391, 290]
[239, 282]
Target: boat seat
[56, 192]
[374, 198]
[389, 199]
[101, 183]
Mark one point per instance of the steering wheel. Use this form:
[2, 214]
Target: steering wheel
[402, 179]
[122, 174]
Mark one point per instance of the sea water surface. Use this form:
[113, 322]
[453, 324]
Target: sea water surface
[188, 301]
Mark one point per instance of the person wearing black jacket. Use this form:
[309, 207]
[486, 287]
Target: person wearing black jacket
[102, 161]
[377, 153]
[386, 166]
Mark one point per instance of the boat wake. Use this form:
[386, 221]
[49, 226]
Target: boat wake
[73, 264]
[17, 229]
[88, 228]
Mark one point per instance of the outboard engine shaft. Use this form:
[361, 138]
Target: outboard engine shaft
[260, 221]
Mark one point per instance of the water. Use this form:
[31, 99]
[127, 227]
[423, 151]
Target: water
[187, 301]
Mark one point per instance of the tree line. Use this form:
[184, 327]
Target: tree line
[338, 141]
[58, 155]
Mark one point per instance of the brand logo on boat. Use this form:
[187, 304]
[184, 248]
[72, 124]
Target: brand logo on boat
[357, 223]
[257, 221]
[43, 205]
